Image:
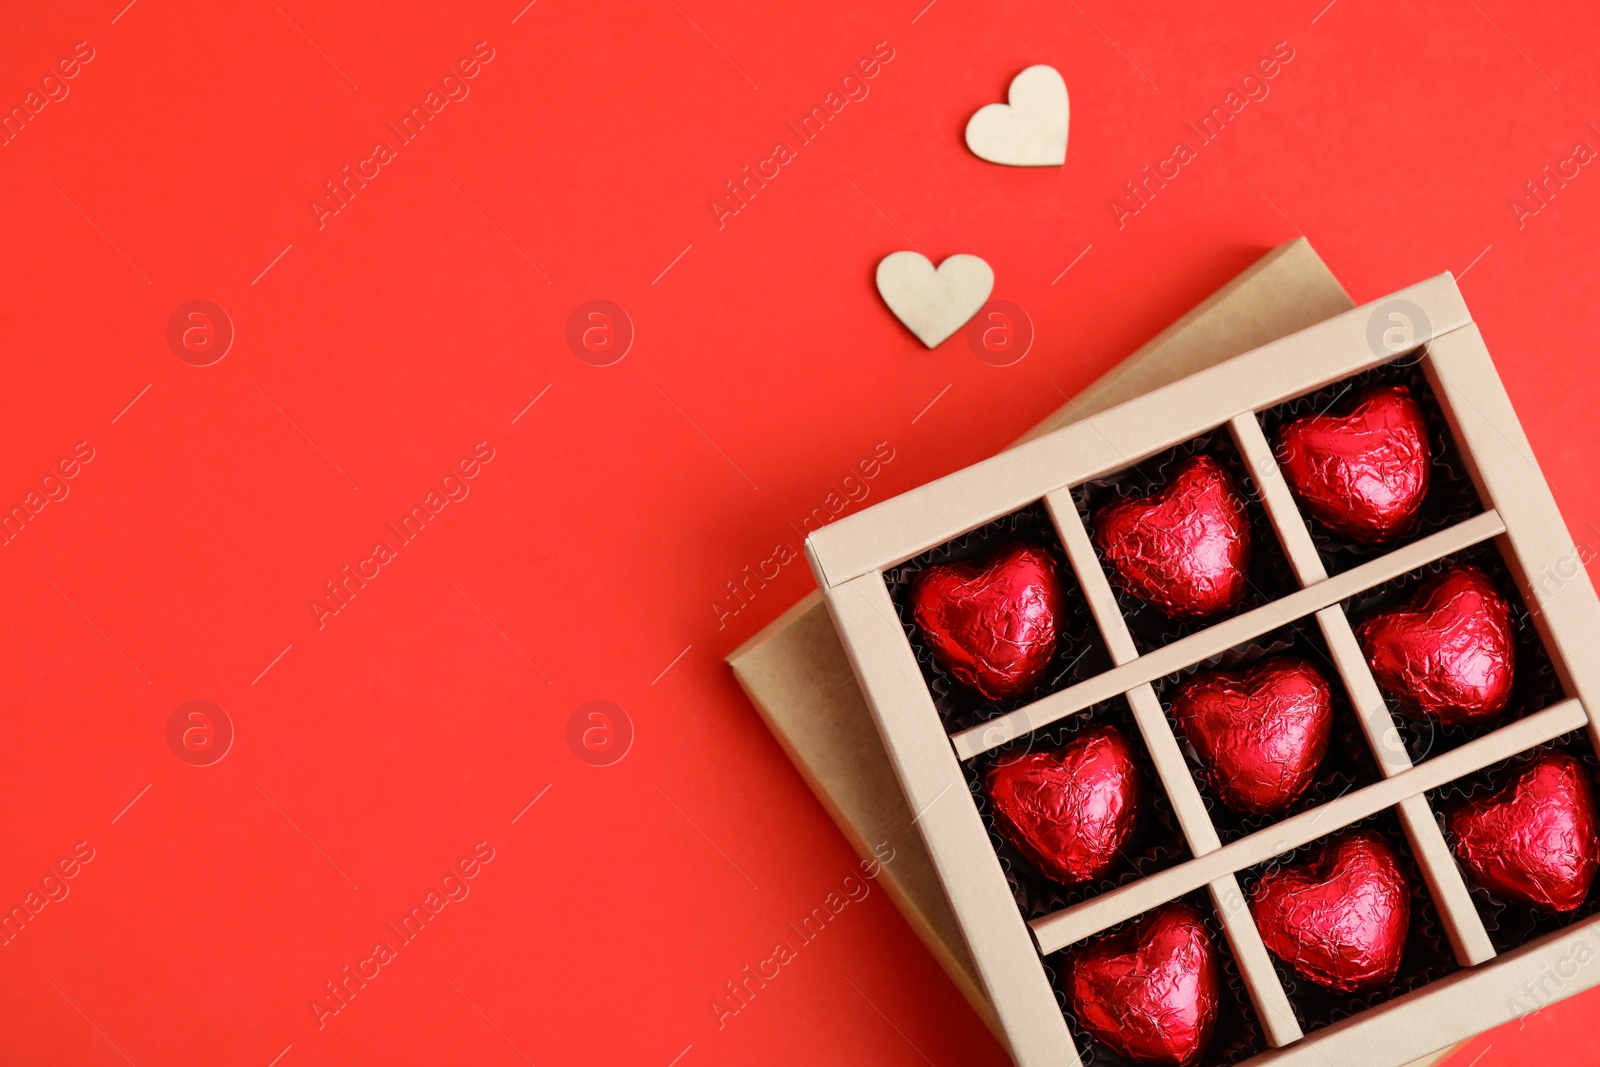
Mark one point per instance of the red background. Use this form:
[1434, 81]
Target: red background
[380, 348]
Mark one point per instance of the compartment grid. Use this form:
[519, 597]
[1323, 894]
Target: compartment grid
[849, 558]
[1463, 925]
[1250, 954]
[1222, 636]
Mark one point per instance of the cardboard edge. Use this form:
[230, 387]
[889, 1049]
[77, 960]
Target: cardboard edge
[960, 970]
[899, 527]
[1133, 376]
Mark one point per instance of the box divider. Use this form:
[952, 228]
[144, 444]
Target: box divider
[1282, 510]
[1366, 699]
[1173, 770]
[1091, 576]
[1159, 740]
[1255, 964]
[1012, 974]
[1056, 931]
[1216, 639]
[1469, 939]
[1549, 569]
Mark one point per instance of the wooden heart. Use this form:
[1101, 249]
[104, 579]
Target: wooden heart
[934, 303]
[1030, 131]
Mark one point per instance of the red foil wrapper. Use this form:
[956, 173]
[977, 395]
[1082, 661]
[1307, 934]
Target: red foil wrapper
[1362, 474]
[1184, 549]
[992, 625]
[1261, 733]
[1341, 918]
[1070, 811]
[1449, 653]
[1533, 841]
[1151, 994]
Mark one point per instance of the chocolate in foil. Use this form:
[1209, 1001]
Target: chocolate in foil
[1070, 811]
[993, 624]
[1449, 653]
[1152, 993]
[1341, 918]
[1363, 473]
[1261, 733]
[1532, 841]
[1186, 548]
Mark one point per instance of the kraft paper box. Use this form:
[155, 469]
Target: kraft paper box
[795, 670]
[1469, 956]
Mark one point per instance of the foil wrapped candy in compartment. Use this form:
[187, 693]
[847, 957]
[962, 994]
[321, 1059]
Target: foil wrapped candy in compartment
[1363, 473]
[1152, 993]
[1261, 733]
[1449, 653]
[1071, 811]
[1340, 918]
[992, 625]
[1532, 841]
[1185, 548]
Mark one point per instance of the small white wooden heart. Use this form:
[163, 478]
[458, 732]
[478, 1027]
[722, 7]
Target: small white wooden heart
[934, 303]
[1031, 131]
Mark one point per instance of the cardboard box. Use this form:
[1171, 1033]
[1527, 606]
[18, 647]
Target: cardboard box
[1513, 525]
[795, 670]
